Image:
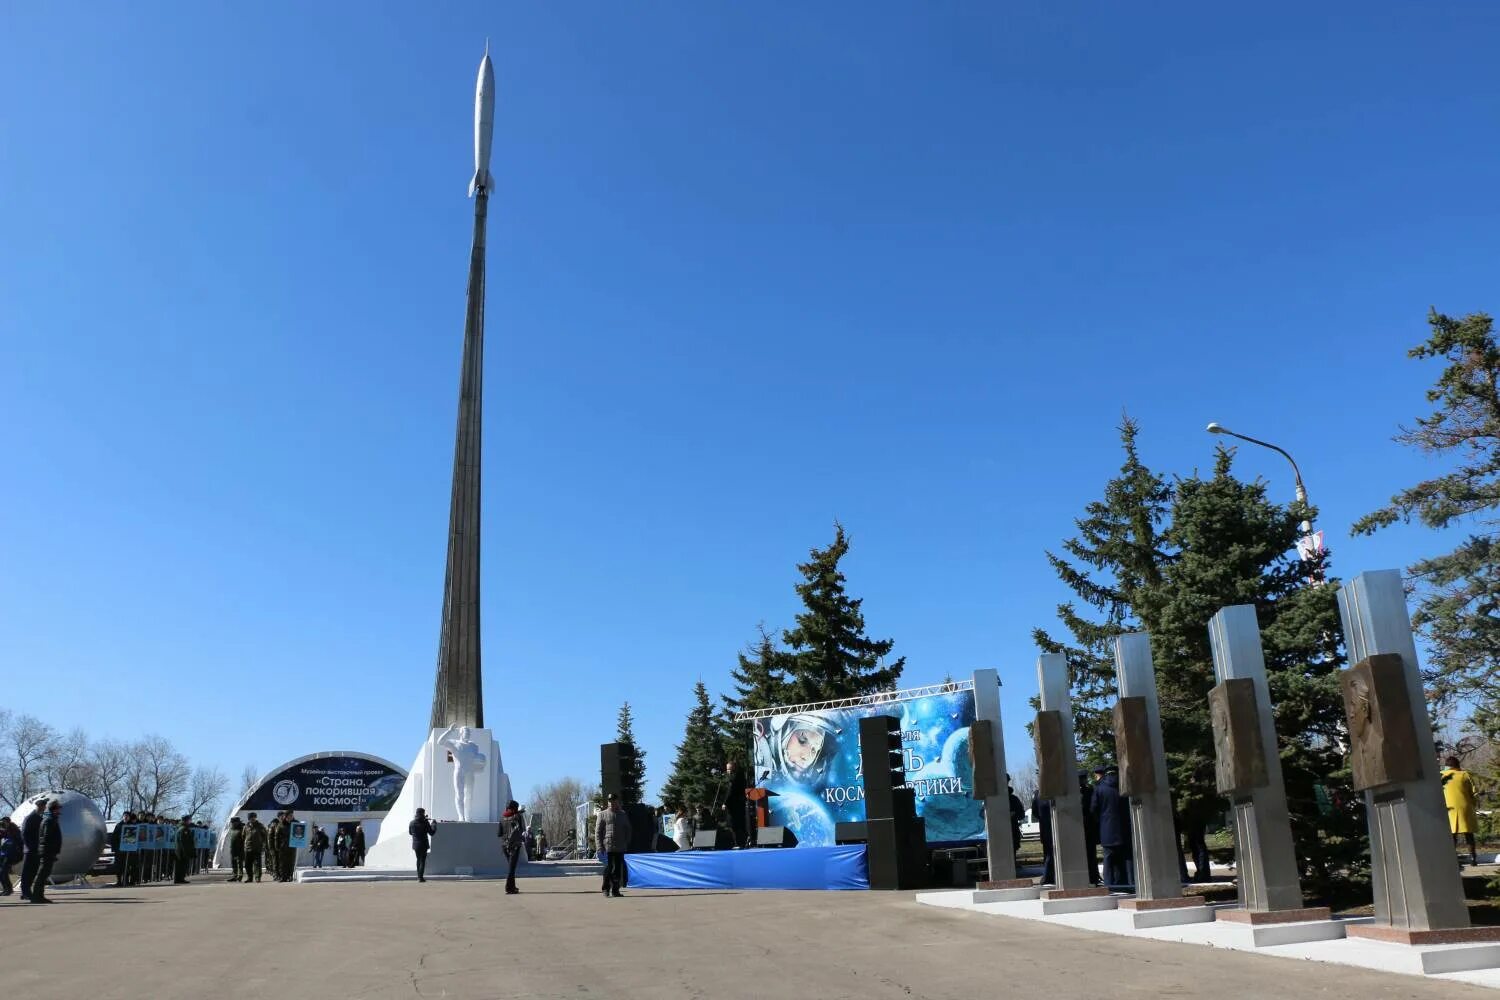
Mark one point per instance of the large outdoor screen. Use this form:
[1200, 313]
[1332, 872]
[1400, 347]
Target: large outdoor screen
[811, 761]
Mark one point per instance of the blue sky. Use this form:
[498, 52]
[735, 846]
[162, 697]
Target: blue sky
[753, 267]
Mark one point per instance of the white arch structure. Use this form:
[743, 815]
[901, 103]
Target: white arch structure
[325, 818]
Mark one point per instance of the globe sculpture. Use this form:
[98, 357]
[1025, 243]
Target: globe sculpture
[82, 829]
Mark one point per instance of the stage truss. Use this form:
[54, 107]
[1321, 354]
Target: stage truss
[880, 698]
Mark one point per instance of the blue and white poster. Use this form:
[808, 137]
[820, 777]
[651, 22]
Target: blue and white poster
[811, 761]
[298, 836]
[128, 834]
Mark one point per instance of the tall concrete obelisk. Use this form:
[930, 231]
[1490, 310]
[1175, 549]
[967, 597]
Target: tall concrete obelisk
[458, 697]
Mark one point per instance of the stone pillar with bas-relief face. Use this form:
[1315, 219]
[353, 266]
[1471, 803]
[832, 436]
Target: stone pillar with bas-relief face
[1057, 772]
[1418, 892]
[1248, 765]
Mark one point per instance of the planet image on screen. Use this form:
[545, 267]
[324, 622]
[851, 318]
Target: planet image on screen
[807, 818]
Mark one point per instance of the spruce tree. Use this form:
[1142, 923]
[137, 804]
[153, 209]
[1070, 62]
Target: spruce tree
[830, 655]
[1232, 545]
[633, 780]
[698, 772]
[1458, 610]
[1114, 565]
[759, 681]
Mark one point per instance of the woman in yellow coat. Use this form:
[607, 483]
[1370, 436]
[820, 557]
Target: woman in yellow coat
[1463, 805]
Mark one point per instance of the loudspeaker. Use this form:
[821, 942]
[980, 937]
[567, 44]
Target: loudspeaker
[611, 771]
[642, 828]
[982, 750]
[897, 853]
[850, 833]
[775, 836]
[713, 840]
[881, 761]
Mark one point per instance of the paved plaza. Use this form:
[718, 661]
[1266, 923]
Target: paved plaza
[561, 939]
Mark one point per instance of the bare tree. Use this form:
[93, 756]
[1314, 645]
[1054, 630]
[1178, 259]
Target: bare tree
[159, 775]
[66, 766]
[552, 807]
[205, 791]
[109, 762]
[249, 776]
[27, 744]
[1025, 782]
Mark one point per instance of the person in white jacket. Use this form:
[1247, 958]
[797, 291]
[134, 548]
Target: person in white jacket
[682, 829]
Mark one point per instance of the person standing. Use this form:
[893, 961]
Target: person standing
[288, 854]
[50, 840]
[1090, 823]
[10, 852]
[255, 846]
[119, 859]
[612, 834]
[237, 849]
[682, 828]
[273, 856]
[319, 845]
[512, 841]
[1463, 805]
[1041, 809]
[541, 845]
[31, 851]
[1113, 811]
[357, 853]
[734, 804]
[1017, 813]
[421, 829]
[186, 847]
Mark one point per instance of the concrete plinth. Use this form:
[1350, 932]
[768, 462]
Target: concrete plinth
[1268, 928]
[1056, 901]
[1014, 893]
[1431, 952]
[1167, 912]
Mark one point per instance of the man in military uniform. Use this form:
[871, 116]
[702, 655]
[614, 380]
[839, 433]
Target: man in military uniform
[237, 849]
[255, 846]
[186, 847]
[273, 842]
[50, 841]
[288, 852]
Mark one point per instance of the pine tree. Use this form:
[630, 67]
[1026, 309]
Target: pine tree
[1458, 611]
[1232, 545]
[1114, 564]
[831, 657]
[759, 681]
[633, 780]
[698, 772]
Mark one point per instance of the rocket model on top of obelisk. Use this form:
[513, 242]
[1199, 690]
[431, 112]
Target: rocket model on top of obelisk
[458, 697]
[484, 125]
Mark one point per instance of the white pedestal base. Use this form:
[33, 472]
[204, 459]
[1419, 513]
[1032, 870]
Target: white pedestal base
[429, 786]
[1006, 895]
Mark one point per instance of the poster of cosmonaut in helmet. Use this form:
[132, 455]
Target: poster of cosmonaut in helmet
[811, 761]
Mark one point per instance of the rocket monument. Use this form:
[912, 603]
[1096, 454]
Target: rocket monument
[457, 776]
[457, 698]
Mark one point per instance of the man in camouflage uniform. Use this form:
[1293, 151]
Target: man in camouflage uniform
[255, 846]
[273, 842]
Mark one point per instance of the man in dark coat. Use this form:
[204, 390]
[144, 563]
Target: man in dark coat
[288, 854]
[421, 829]
[1090, 823]
[734, 805]
[357, 846]
[50, 840]
[187, 846]
[120, 860]
[513, 840]
[612, 834]
[31, 831]
[1113, 811]
[1041, 810]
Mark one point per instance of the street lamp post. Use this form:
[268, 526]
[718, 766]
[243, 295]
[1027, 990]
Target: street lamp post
[1217, 428]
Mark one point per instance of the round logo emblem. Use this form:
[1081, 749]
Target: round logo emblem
[285, 792]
